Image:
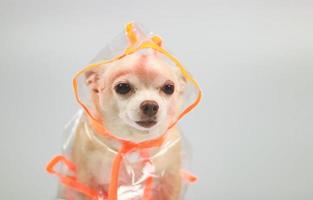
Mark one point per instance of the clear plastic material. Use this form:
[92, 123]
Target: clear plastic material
[138, 174]
[100, 163]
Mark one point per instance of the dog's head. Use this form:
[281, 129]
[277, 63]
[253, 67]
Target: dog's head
[138, 96]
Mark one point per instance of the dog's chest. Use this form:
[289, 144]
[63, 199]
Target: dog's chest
[135, 167]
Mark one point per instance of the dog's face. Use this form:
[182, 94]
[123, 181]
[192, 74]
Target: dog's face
[138, 96]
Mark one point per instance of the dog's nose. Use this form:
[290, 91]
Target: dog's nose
[149, 107]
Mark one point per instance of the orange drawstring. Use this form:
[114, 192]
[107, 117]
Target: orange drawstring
[69, 181]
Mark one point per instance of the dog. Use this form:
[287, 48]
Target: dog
[138, 96]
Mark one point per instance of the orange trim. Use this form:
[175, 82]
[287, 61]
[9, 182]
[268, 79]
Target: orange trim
[59, 158]
[188, 176]
[75, 185]
[69, 181]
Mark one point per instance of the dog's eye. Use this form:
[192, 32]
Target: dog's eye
[122, 88]
[168, 88]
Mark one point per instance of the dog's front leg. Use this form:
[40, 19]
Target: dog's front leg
[170, 185]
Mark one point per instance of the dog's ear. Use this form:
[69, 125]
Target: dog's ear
[182, 81]
[92, 78]
[92, 81]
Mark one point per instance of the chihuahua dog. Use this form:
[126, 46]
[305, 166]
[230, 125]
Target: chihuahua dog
[138, 97]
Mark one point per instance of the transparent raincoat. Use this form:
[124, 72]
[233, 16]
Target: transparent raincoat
[97, 164]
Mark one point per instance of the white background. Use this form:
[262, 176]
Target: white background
[252, 135]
